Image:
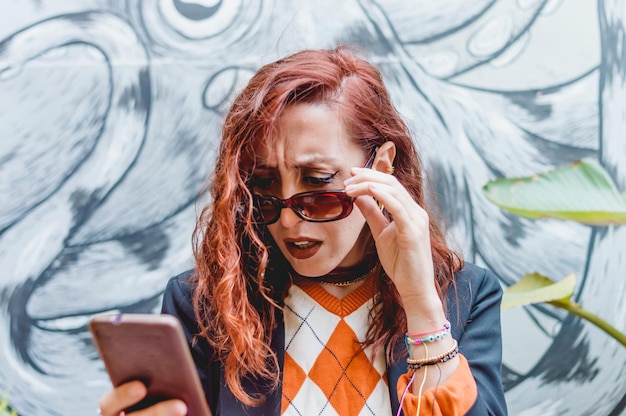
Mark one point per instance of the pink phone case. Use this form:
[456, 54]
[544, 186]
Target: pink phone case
[153, 349]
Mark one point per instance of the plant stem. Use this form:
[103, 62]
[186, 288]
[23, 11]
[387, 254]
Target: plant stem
[581, 312]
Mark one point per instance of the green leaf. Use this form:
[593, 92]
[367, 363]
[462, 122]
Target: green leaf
[581, 191]
[5, 409]
[536, 288]
[4, 403]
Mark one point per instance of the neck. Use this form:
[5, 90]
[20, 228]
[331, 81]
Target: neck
[346, 276]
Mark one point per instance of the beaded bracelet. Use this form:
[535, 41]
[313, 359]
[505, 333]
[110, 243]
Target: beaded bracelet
[416, 364]
[446, 327]
[431, 338]
[436, 335]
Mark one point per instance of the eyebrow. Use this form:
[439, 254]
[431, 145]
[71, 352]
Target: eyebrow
[306, 163]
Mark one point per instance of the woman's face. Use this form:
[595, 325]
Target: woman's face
[312, 151]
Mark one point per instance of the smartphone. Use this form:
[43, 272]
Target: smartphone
[152, 349]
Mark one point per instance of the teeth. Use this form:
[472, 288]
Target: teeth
[302, 244]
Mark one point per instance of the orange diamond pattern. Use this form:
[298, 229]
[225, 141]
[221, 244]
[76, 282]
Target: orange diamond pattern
[336, 372]
[325, 370]
[292, 380]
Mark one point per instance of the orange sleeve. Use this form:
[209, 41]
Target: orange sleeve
[454, 397]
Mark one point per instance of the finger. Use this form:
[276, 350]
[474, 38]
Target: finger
[363, 174]
[396, 200]
[374, 217]
[165, 408]
[122, 397]
[363, 182]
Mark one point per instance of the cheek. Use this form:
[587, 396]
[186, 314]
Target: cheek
[345, 234]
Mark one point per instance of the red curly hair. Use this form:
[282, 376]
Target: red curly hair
[240, 275]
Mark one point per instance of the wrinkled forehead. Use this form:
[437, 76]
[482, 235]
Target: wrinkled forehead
[305, 132]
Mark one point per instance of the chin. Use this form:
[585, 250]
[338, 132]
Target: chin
[312, 267]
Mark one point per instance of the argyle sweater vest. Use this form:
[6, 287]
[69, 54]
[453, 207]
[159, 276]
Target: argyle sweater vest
[326, 372]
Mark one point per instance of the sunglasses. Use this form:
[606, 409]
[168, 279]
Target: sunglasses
[314, 206]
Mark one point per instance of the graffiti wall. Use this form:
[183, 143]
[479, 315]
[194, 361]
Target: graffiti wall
[110, 113]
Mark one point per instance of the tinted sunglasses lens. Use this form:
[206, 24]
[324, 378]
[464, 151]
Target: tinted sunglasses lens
[311, 206]
[326, 206]
[269, 208]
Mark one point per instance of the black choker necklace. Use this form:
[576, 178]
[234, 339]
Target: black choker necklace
[345, 276]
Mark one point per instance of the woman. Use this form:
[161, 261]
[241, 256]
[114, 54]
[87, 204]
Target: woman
[322, 285]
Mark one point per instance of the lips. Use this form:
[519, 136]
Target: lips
[302, 249]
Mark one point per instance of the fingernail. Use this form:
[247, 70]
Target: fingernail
[181, 408]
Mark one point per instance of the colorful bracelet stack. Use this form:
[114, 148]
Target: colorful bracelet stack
[416, 364]
[422, 338]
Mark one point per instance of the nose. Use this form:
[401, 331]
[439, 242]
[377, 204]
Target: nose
[288, 218]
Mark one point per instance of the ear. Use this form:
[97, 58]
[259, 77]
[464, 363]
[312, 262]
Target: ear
[385, 157]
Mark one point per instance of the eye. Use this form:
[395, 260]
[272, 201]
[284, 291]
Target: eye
[317, 181]
[263, 182]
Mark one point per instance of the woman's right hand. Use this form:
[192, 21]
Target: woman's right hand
[115, 401]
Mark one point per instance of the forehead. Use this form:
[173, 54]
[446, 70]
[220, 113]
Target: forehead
[307, 132]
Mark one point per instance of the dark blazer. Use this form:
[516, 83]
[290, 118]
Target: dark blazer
[473, 310]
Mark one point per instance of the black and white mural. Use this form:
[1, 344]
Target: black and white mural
[110, 113]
